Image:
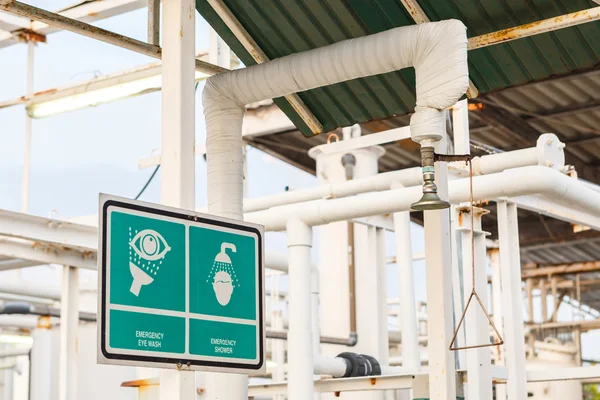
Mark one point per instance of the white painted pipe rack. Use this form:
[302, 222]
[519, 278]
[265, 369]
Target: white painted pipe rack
[531, 180]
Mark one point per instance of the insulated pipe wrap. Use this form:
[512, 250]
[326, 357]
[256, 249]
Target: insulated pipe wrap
[437, 50]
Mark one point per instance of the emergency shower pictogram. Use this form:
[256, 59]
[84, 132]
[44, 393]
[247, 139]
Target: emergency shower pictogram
[147, 250]
[222, 273]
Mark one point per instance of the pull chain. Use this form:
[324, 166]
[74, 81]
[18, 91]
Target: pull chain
[474, 291]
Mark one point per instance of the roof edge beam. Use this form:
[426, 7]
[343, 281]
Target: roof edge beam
[535, 28]
[91, 31]
[260, 57]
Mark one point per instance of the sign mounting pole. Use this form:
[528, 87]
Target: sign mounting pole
[178, 141]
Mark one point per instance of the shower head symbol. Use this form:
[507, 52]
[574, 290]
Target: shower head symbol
[223, 280]
[149, 248]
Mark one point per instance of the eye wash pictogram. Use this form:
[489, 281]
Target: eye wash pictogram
[147, 250]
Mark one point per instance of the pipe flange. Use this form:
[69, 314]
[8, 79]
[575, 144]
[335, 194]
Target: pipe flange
[357, 362]
[373, 365]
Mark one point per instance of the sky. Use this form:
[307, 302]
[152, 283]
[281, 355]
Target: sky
[77, 155]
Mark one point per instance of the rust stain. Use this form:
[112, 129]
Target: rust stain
[373, 381]
[336, 394]
[92, 14]
[181, 32]
[29, 35]
[140, 383]
[47, 91]
[476, 106]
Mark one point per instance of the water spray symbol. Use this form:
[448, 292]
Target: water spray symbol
[224, 277]
[149, 248]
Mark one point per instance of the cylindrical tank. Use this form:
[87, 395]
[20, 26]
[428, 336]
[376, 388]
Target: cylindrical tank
[333, 266]
[552, 354]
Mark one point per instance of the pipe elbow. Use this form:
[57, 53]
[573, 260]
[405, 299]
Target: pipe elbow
[442, 75]
[536, 179]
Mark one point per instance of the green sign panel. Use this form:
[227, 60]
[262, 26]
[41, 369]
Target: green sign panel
[179, 289]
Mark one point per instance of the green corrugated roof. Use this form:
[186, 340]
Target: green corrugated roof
[283, 27]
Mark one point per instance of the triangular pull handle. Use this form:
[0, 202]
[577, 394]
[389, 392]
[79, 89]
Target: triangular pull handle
[462, 318]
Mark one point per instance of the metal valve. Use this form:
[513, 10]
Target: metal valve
[430, 199]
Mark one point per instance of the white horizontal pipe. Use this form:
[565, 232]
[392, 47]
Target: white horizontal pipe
[555, 347]
[14, 352]
[27, 299]
[548, 152]
[30, 289]
[407, 177]
[276, 261]
[18, 321]
[333, 366]
[510, 183]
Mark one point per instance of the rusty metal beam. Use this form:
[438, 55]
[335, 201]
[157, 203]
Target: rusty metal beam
[563, 269]
[94, 32]
[535, 28]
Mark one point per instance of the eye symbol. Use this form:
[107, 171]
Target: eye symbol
[150, 245]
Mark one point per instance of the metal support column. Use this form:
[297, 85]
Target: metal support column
[407, 317]
[220, 53]
[475, 322]
[41, 360]
[69, 323]
[512, 300]
[460, 124]
[300, 335]
[460, 129]
[224, 386]
[458, 303]
[442, 383]
[27, 144]
[154, 22]
[178, 140]
[8, 384]
[497, 313]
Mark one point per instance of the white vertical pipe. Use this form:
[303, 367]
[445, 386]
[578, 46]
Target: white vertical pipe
[178, 134]
[41, 361]
[411, 357]
[457, 286]
[475, 324]
[225, 386]
[27, 144]
[69, 323]
[316, 324]
[512, 300]
[442, 379]
[462, 138]
[219, 54]
[300, 335]
[154, 22]
[383, 354]
[178, 140]
[8, 384]
[494, 257]
[460, 127]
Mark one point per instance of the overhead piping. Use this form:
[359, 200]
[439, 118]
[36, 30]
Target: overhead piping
[523, 181]
[438, 51]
